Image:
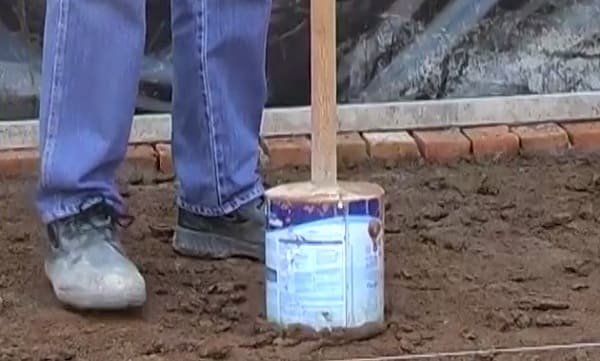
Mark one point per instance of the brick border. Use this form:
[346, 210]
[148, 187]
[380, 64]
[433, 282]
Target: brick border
[151, 162]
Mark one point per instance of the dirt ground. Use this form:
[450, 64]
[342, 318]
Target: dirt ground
[477, 256]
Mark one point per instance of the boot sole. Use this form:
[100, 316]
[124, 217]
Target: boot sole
[85, 303]
[204, 245]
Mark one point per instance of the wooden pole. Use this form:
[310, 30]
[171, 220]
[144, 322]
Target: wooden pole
[324, 123]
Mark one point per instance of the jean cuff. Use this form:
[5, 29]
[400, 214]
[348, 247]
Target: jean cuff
[230, 206]
[70, 207]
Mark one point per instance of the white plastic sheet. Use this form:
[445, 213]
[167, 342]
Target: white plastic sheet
[388, 50]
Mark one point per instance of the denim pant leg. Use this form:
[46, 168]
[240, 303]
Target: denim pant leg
[91, 65]
[218, 97]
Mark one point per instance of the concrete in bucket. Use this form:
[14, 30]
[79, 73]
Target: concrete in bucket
[324, 243]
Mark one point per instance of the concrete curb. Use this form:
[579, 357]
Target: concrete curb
[152, 161]
[396, 116]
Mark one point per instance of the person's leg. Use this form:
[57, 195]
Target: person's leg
[218, 97]
[91, 63]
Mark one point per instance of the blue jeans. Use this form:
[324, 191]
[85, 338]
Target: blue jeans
[92, 62]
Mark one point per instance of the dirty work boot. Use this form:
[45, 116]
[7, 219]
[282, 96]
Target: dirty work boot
[238, 234]
[86, 264]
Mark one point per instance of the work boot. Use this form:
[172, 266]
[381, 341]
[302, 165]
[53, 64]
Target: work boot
[86, 264]
[238, 234]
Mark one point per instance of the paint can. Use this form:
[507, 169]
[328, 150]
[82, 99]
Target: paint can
[325, 255]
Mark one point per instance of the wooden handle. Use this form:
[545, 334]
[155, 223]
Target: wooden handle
[323, 92]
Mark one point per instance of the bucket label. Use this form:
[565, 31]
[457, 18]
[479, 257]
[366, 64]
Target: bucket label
[325, 264]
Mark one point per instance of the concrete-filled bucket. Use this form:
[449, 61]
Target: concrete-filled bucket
[325, 256]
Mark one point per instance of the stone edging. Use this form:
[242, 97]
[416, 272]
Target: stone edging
[152, 161]
[394, 116]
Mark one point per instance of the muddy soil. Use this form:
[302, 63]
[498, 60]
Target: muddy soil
[477, 255]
